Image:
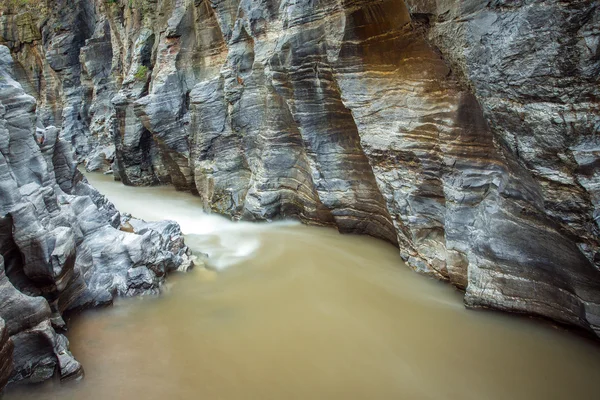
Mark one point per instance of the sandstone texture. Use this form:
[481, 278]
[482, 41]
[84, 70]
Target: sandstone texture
[464, 131]
[61, 248]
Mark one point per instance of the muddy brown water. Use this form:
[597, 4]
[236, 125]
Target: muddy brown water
[295, 312]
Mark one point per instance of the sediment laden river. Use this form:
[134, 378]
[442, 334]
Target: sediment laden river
[294, 312]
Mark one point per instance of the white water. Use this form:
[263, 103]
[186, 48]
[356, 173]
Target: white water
[225, 242]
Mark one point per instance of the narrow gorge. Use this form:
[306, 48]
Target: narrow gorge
[464, 133]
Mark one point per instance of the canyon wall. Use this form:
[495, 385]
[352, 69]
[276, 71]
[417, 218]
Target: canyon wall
[63, 246]
[466, 132]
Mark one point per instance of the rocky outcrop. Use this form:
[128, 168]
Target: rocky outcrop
[534, 68]
[465, 132]
[6, 354]
[61, 246]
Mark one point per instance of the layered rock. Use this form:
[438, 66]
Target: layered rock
[6, 354]
[534, 67]
[61, 246]
[463, 131]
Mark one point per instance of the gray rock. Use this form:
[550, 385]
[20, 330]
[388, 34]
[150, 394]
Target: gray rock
[61, 248]
[534, 68]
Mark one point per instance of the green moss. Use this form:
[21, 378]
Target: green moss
[6, 5]
[141, 72]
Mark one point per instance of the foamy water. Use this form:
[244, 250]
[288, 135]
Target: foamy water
[225, 242]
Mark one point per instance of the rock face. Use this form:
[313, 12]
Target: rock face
[465, 132]
[534, 67]
[61, 248]
[6, 353]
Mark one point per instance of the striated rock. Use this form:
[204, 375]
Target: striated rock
[49, 38]
[6, 354]
[534, 68]
[98, 84]
[465, 132]
[60, 246]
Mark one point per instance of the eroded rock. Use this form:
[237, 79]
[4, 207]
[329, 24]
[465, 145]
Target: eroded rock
[60, 246]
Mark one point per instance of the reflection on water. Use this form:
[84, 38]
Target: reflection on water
[305, 313]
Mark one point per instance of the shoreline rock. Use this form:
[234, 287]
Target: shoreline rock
[60, 246]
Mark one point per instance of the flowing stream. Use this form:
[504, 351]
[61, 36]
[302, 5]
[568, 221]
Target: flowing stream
[294, 312]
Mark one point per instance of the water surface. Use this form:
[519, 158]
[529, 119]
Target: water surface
[296, 312]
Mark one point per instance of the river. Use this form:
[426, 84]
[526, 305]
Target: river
[287, 311]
